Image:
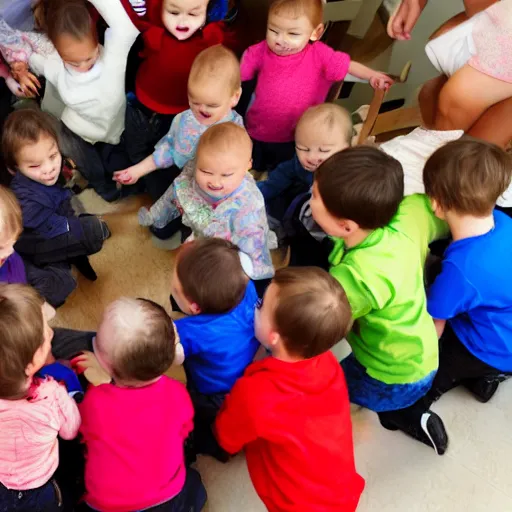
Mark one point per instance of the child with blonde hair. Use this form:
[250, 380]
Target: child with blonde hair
[213, 91]
[294, 72]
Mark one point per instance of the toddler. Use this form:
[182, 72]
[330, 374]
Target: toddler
[290, 411]
[294, 72]
[213, 91]
[381, 242]
[52, 231]
[33, 411]
[217, 197]
[218, 338]
[134, 428]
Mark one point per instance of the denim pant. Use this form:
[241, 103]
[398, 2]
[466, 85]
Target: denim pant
[43, 499]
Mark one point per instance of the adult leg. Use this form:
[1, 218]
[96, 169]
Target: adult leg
[498, 115]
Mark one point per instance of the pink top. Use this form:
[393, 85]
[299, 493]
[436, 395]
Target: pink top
[134, 444]
[29, 453]
[288, 86]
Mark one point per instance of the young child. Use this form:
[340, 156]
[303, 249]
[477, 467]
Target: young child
[471, 299]
[52, 231]
[381, 243]
[218, 337]
[294, 72]
[134, 428]
[218, 198]
[290, 411]
[33, 411]
[213, 91]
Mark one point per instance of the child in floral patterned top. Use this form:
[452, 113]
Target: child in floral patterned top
[218, 198]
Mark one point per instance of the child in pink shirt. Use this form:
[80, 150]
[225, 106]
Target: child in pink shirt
[295, 71]
[33, 411]
[135, 426]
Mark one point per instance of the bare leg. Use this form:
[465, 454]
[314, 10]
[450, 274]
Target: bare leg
[494, 125]
[427, 99]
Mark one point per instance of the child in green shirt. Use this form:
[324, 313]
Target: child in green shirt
[381, 242]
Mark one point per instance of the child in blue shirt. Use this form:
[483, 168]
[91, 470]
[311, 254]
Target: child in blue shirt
[211, 284]
[471, 299]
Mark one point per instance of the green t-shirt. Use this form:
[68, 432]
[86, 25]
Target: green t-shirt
[393, 336]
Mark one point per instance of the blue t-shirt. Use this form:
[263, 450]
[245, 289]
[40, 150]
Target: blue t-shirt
[218, 348]
[474, 293]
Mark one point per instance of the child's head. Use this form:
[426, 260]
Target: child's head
[357, 188]
[208, 277]
[135, 341]
[214, 86]
[223, 157]
[466, 177]
[292, 24]
[183, 18]
[10, 223]
[26, 339]
[322, 131]
[29, 145]
[70, 28]
[303, 314]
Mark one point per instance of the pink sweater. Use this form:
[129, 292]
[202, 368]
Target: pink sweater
[29, 448]
[134, 444]
[288, 86]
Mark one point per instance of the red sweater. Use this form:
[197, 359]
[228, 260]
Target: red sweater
[293, 419]
[161, 82]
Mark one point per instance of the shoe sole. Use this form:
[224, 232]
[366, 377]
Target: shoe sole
[424, 426]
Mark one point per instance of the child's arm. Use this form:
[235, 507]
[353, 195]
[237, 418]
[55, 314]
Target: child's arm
[69, 414]
[132, 174]
[278, 180]
[162, 212]
[440, 325]
[377, 79]
[251, 61]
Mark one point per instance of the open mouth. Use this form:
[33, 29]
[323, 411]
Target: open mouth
[206, 115]
[182, 29]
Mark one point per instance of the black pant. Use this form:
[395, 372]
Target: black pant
[266, 156]
[67, 343]
[47, 498]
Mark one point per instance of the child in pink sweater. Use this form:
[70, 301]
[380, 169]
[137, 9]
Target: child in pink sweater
[295, 71]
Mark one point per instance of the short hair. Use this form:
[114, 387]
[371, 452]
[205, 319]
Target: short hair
[22, 127]
[312, 9]
[217, 63]
[225, 137]
[467, 176]
[362, 184]
[143, 343]
[211, 275]
[21, 335]
[331, 117]
[312, 312]
[11, 224]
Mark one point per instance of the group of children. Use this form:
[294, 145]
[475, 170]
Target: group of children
[255, 343]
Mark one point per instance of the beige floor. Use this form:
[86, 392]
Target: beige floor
[475, 475]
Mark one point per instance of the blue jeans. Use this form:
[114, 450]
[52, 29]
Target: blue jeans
[43, 499]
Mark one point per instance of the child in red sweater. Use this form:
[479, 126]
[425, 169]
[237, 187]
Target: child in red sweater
[291, 411]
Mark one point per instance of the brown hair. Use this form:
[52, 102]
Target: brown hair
[361, 184]
[21, 334]
[467, 176]
[312, 9]
[312, 312]
[211, 275]
[24, 127]
[10, 215]
[226, 137]
[217, 63]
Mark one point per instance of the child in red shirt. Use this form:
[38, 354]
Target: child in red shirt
[290, 411]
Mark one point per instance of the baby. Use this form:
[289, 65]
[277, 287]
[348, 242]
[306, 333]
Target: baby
[213, 91]
[294, 72]
[217, 197]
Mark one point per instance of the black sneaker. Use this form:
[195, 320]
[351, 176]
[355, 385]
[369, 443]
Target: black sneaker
[482, 389]
[83, 266]
[433, 432]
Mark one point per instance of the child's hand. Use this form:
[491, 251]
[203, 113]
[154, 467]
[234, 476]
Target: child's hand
[381, 81]
[145, 217]
[127, 176]
[88, 364]
[28, 83]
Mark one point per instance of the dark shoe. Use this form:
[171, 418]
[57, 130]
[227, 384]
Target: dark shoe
[482, 389]
[84, 267]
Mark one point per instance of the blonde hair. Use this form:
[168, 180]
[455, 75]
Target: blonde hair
[312, 9]
[11, 224]
[225, 137]
[331, 117]
[216, 63]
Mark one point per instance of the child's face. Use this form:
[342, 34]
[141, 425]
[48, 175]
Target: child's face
[79, 55]
[218, 173]
[315, 145]
[183, 18]
[211, 104]
[7, 247]
[287, 35]
[330, 224]
[41, 161]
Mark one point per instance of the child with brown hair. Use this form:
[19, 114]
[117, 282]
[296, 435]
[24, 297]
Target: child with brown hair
[294, 72]
[33, 411]
[215, 197]
[290, 411]
[52, 233]
[134, 427]
[218, 337]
